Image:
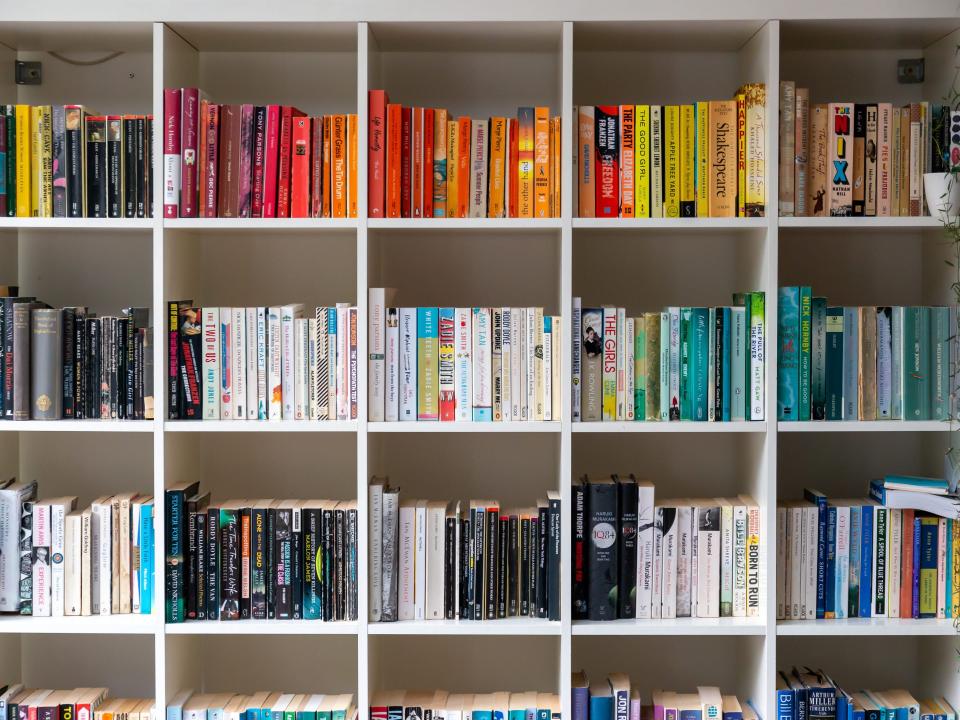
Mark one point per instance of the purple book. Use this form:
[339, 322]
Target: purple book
[915, 590]
[246, 161]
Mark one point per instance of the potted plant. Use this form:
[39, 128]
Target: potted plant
[941, 188]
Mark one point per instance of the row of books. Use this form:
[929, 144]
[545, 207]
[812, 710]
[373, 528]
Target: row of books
[252, 161]
[68, 161]
[461, 364]
[188, 705]
[861, 363]
[705, 159]
[683, 363]
[861, 557]
[261, 363]
[435, 560]
[454, 706]
[804, 693]
[842, 158]
[69, 364]
[423, 163]
[259, 559]
[637, 558]
[20, 703]
[616, 698]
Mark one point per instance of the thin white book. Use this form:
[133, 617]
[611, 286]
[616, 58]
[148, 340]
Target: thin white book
[420, 562]
[301, 369]
[556, 401]
[343, 361]
[250, 366]
[211, 363]
[376, 366]
[436, 515]
[463, 364]
[798, 602]
[685, 535]
[100, 558]
[407, 538]
[226, 366]
[811, 523]
[673, 363]
[518, 360]
[668, 600]
[842, 575]
[391, 405]
[496, 363]
[783, 566]
[506, 364]
[238, 363]
[656, 594]
[58, 537]
[263, 399]
[538, 364]
[275, 363]
[72, 575]
[86, 562]
[332, 350]
[311, 373]
[289, 313]
[645, 531]
[530, 325]
[694, 561]
[375, 540]
[575, 367]
[548, 368]
[408, 364]
[482, 410]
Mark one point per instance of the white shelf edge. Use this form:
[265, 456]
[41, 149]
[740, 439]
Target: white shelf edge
[254, 224]
[821, 426]
[511, 626]
[759, 426]
[464, 427]
[670, 223]
[261, 627]
[132, 624]
[676, 626]
[852, 223]
[58, 223]
[464, 223]
[867, 627]
[133, 426]
[181, 426]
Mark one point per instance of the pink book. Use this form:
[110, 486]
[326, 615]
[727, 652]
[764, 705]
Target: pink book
[246, 161]
[259, 150]
[377, 161]
[211, 146]
[171, 152]
[270, 161]
[189, 133]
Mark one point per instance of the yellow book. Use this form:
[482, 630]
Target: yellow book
[525, 195]
[671, 161]
[755, 99]
[36, 169]
[688, 167]
[641, 159]
[541, 162]
[557, 175]
[45, 176]
[703, 162]
[352, 162]
[498, 164]
[741, 154]
[23, 160]
[453, 180]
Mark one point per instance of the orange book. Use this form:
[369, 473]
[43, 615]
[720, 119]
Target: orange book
[352, 161]
[453, 166]
[513, 167]
[439, 162]
[541, 162]
[525, 200]
[417, 162]
[428, 162]
[300, 168]
[327, 129]
[463, 166]
[498, 156]
[394, 140]
[338, 142]
[555, 174]
[626, 161]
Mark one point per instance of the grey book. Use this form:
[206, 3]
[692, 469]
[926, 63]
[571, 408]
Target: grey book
[46, 367]
[21, 359]
[391, 527]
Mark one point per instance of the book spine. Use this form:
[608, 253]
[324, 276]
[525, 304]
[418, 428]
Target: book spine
[408, 364]
[447, 364]
[189, 126]
[258, 160]
[376, 357]
[463, 364]
[482, 403]
[606, 161]
[376, 152]
[171, 152]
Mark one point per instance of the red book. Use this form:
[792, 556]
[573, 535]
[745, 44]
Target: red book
[316, 167]
[428, 121]
[300, 169]
[259, 152]
[245, 189]
[377, 149]
[406, 170]
[271, 159]
[189, 126]
[394, 132]
[607, 160]
[417, 162]
[210, 145]
[283, 165]
[463, 170]
[906, 565]
[171, 152]
[514, 168]
[228, 174]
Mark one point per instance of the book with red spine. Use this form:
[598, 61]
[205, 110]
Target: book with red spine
[271, 160]
[171, 152]
[210, 147]
[428, 162]
[377, 149]
[607, 160]
[394, 153]
[300, 169]
[417, 162]
[463, 169]
[316, 167]
[326, 170]
[245, 186]
[287, 114]
[259, 153]
[189, 126]
[228, 174]
[513, 173]
[406, 169]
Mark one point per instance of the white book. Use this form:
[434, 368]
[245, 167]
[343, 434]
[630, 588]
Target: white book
[376, 355]
[301, 369]
[407, 552]
[211, 363]
[321, 368]
[343, 361]
[538, 363]
[530, 340]
[391, 402]
[878, 534]
[556, 401]
[40, 559]
[463, 364]
[238, 363]
[783, 569]
[482, 410]
[674, 364]
[685, 534]
[100, 558]
[726, 559]
[811, 523]
[12, 497]
[86, 562]
[420, 562]
[436, 516]
[289, 313]
[668, 599]
[226, 367]
[754, 549]
[506, 363]
[332, 350]
[656, 593]
[842, 576]
[250, 366]
[739, 597]
[71, 564]
[375, 540]
[941, 565]
[708, 555]
[798, 601]
[479, 141]
[408, 364]
[58, 539]
[621, 364]
[629, 410]
[694, 561]
[275, 363]
[547, 368]
[311, 373]
[575, 368]
[518, 359]
[262, 397]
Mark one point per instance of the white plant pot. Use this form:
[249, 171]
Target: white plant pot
[942, 193]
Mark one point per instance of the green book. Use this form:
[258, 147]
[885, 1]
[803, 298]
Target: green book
[939, 363]
[640, 368]
[699, 363]
[803, 409]
[686, 389]
[757, 354]
[916, 363]
[818, 358]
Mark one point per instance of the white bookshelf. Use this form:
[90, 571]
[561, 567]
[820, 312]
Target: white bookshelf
[479, 60]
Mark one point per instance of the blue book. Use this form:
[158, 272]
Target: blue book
[175, 706]
[820, 500]
[688, 707]
[786, 699]
[830, 599]
[929, 527]
[580, 699]
[726, 400]
[699, 362]
[788, 353]
[146, 572]
[803, 399]
[482, 714]
[834, 363]
[866, 560]
[601, 702]
[915, 580]
[853, 592]
[821, 696]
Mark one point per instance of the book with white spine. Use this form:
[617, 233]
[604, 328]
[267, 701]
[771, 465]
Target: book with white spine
[288, 362]
[311, 373]
[530, 349]
[376, 338]
[726, 559]
[238, 363]
[575, 359]
[538, 364]
[343, 361]
[12, 498]
[506, 363]
[226, 367]
[261, 375]
[436, 516]
[668, 571]
[556, 399]
[250, 362]
[548, 367]
[100, 556]
[391, 401]
[408, 364]
[86, 562]
[842, 575]
[301, 369]
[420, 561]
[656, 593]
[518, 360]
[783, 567]
[375, 540]
[72, 576]
[321, 389]
[59, 509]
[332, 349]
[406, 549]
[645, 533]
[686, 531]
[275, 363]
[463, 364]
[482, 410]
[210, 322]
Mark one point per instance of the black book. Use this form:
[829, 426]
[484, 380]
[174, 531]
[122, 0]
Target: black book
[478, 564]
[140, 205]
[148, 172]
[115, 166]
[75, 146]
[173, 356]
[130, 166]
[543, 542]
[138, 374]
[258, 563]
[718, 351]
[450, 551]
[175, 543]
[491, 556]
[577, 554]
[271, 562]
[282, 548]
[513, 565]
[553, 557]
[80, 363]
[525, 522]
[229, 561]
[312, 599]
[627, 547]
[466, 610]
[339, 538]
[68, 317]
[602, 549]
[296, 577]
[532, 562]
[246, 562]
[352, 569]
[503, 524]
[96, 176]
[138, 318]
[193, 556]
[93, 368]
[202, 546]
[213, 563]
[190, 359]
[329, 591]
[123, 348]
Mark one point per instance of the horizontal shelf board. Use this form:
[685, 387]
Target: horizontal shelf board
[670, 223]
[464, 223]
[867, 626]
[261, 627]
[260, 426]
[256, 224]
[675, 626]
[58, 223]
[506, 626]
[465, 427]
[670, 427]
[871, 223]
[85, 624]
[143, 426]
[865, 426]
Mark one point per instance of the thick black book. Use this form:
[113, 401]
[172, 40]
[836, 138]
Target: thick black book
[513, 565]
[130, 166]
[213, 563]
[503, 530]
[140, 207]
[602, 547]
[479, 561]
[246, 562]
[627, 548]
[68, 317]
[296, 577]
[525, 523]
[93, 368]
[96, 176]
[450, 550]
[466, 610]
[543, 542]
[490, 559]
[80, 363]
[190, 359]
[577, 553]
[329, 591]
[553, 557]
[282, 548]
[229, 562]
[259, 570]
[201, 563]
[114, 166]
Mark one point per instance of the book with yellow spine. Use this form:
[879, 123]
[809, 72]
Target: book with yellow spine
[23, 160]
[36, 165]
[741, 154]
[671, 161]
[525, 122]
[439, 162]
[45, 174]
[498, 159]
[703, 162]
[641, 155]
[755, 101]
[555, 142]
[627, 160]
[453, 167]
[688, 144]
[541, 162]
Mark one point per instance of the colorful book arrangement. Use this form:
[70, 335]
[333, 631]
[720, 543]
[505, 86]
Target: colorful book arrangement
[636, 558]
[70, 364]
[259, 559]
[440, 703]
[840, 159]
[261, 363]
[461, 364]
[805, 690]
[861, 363]
[91, 703]
[253, 161]
[56, 560]
[423, 163]
[683, 363]
[289, 706]
[68, 161]
[705, 159]
[435, 560]
[893, 554]
[614, 698]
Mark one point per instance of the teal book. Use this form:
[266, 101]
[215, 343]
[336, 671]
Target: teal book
[788, 353]
[851, 360]
[713, 382]
[481, 715]
[601, 703]
[146, 571]
[916, 363]
[738, 363]
[833, 367]
[724, 361]
[818, 358]
[700, 362]
[940, 363]
[664, 366]
[803, 406]
[640, 369]
[686, 386]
